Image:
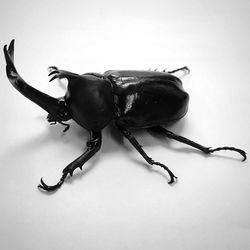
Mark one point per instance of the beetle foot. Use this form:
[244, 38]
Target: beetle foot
[185, 69]
[173, 178]
[52, 68]
[240, 151]
[55, 72]
[47, 188]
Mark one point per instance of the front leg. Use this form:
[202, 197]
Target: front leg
[93, 145]
[60, 74]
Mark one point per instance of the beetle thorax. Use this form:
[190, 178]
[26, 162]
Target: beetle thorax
[62, 113]
[91, 102]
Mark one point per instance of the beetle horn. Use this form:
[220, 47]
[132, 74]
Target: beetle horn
[50, 104]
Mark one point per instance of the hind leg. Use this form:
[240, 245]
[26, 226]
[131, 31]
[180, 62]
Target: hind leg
[208, 150]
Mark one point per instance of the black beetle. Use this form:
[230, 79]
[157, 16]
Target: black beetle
[129, 99]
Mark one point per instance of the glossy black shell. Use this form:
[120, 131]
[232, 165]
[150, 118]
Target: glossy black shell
[90, 100]
[147, 98]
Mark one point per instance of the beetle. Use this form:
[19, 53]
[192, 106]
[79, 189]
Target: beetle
[129, 99]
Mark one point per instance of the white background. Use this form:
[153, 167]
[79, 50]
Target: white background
[117, 202]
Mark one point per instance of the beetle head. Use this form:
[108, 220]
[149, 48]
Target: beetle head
[62, 112]
[56, 107]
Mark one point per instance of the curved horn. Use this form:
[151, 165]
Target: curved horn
[50, 104]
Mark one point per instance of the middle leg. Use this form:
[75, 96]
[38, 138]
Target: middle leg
[149, 160]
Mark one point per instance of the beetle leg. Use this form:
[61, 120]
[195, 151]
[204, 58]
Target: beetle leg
[93, 145]
[185, 68]
[52, 68]
[162, 131]
[57, 73]
[149, 160]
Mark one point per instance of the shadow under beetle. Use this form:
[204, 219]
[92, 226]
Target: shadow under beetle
[129, 99]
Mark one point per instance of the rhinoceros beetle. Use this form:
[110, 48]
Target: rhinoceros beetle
[129, 99]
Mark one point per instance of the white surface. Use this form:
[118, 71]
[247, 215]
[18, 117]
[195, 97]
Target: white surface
[118, 203]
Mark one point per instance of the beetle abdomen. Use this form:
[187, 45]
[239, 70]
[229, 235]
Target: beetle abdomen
[152, 106]
[125, 78]
[146, 100]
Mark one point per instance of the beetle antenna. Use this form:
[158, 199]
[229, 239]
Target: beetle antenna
[66, 125]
